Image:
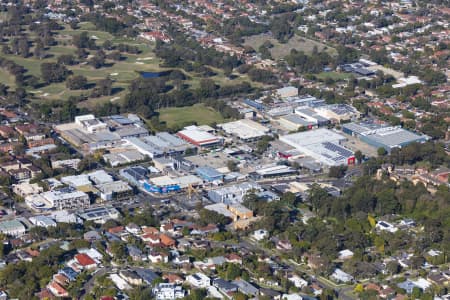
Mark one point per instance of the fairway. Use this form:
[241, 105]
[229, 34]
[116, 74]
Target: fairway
[198, 113]
[7, 79]
[282, 50]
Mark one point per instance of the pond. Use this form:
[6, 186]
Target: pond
[154, 74]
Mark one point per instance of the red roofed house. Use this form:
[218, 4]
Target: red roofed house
[39, 143]
[85, 261]
[116, 230]
[151, 230]
[167, 241]
[173, 278]
[152, 239]
[155, 36]
[26, 128]
[233, 258]
[45, 294]
[57, 290]
[61, 279]
[6, 131]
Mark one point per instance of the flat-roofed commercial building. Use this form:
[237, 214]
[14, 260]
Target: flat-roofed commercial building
[387, 137]
[116, 190]
[323, 145]
[198, 137]
[338, 112]
[294, 122]
[67, 198]
[311, 115]
[99, 214]
[245, 129]
[12, 227]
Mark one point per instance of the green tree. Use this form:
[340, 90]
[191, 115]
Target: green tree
[66, 59]
[232, 272]
[381, 151]
[118, 249]
[337, 171]
[359, 156]
[232, 166]
[76, 82]
[53, 72]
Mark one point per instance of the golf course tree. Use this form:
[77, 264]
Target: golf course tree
[53, 72]
[77, 82]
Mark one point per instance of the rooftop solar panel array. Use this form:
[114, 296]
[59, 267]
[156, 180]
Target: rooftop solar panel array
[343, 153]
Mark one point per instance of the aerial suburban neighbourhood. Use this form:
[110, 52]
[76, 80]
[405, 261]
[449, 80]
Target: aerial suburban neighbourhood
[203, 149]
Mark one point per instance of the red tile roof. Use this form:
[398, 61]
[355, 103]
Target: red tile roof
[53, 286]
[84, 259]
[116, 229]
[166, 240]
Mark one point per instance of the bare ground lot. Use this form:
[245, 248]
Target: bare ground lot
[354, 144]
[282, 50]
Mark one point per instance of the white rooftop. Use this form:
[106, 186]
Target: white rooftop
[100, 177]
[162, 181]
[76, 180]
[195, 134]
[321, 144]
[245, 129]
[312, 137]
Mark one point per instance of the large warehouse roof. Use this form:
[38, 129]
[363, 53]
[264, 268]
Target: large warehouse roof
[312, 137]
[245, 129]
[394, 136]
[322, 145]
[198, 137]
[388, 137]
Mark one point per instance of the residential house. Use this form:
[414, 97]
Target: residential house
[133, 228]
[131, 277]
[70, 273]
[246, 287]
[260, 234]
[158, 257]
[173, 278]
[216, 261]
[272, 294]
[85, 261]
[387, 293]
[118, 230]
[224, 286]
[298, 281]
[151, 239]
[340, 276]
[210, 228]
[233, 258]
[284, 245]
[135, 253]
[167, 241]
[168, 291]
[61, 279]
[198, 280]
[438, 279]
[181, 260]
[57, 290]
[148, 276]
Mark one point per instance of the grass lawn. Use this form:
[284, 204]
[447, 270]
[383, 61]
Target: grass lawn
[199, 113]
[282, 50]
[99, 36]
[333, 75]
[7, 79]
